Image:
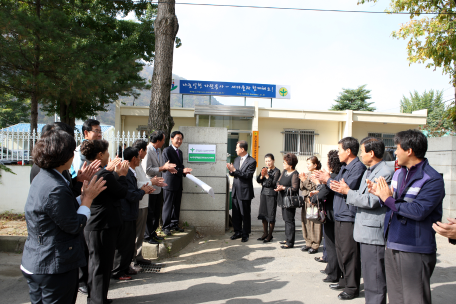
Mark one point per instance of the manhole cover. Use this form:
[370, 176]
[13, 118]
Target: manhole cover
[152, 267]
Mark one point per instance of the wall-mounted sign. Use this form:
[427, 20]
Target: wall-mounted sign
[201, 153]
[218, 88]
[255, 141]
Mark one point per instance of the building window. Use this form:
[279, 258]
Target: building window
[299, 142]
[388, 138]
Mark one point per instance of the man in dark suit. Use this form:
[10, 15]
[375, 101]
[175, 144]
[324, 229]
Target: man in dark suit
[172, 192]
[242, 191]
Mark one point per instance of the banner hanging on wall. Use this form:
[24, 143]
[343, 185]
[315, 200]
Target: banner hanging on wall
[218, 88]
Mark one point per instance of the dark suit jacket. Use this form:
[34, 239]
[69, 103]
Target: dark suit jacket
[174, 181]
[130, 204]
[74, 184]
[53, 244]
[242, 184]
[106, 210]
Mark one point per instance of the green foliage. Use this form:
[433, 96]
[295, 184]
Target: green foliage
[438, 121]
[353, 99]
[13, 110]
[6, 169]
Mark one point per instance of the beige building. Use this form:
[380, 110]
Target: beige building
[302, 132]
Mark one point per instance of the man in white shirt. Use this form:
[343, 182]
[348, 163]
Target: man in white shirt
[91, 130]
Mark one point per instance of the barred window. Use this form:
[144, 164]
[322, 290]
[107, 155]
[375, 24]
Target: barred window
[388, 138]
[299, 142]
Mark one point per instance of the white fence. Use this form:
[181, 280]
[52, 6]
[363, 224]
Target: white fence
[14, 146]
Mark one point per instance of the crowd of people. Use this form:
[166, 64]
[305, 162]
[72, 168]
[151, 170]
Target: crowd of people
[88, 214]
[375, 220]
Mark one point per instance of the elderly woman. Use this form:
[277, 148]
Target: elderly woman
[268, 178]
[55, 219]
[289, 180]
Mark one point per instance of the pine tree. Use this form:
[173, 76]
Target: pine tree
[353, 99]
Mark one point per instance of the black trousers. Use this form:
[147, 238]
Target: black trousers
[154, 212]
[373, 268]
[288, 215]
[242, 223]
[84, 271]
[125, 248]
[102, 245]
[59, 288]
[348, 256]
[332, 268]
[408, 276]
[171, 208]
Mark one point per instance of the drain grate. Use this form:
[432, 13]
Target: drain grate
[152, 268]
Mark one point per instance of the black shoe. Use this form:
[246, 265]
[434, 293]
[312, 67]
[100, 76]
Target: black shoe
[267, 241]
[244, 239]
[345, 296]
[318, 259]
[262, 238]
[322, 271]
[305, 248]
[326, 280]
[236, 236]
[335, 286]
[286, 247]
[158, 238]
[312, 251]
[83, 289]
[167, 232]
[153, 242]
[283, 242]
[178, 229]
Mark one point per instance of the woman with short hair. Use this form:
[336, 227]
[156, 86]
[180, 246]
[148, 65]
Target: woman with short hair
[268, 178]
[54, 248]
[288, 184]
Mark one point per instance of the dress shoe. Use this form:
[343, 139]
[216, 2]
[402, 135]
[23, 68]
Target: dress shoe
[305, 248]
[326, 280]
[322, 271]
[286, 247]
[312, 251]
[262, 238]
[178, 229]
[143, 262]
[153, 242]
[345, 296]
[122, 278]
[158, 238]
[335, 286]
[318, 259]
[282, 242]
[267, 241]
[83, 289]
[236, 236]
[167, 232]
[244, 239]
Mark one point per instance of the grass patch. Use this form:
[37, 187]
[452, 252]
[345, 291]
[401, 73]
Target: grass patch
[10, 216]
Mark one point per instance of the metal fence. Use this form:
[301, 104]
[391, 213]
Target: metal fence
[14, 146]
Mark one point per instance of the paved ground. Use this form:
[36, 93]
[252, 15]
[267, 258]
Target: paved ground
[218, 270]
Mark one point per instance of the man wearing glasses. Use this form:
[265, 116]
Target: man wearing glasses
[91, 130]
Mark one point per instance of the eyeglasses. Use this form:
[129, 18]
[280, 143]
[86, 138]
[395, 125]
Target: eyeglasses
[96, 131]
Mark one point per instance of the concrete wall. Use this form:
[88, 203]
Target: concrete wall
[442, 157]
[14, 189]
[361, 129]
[131, 123]
[198, 208]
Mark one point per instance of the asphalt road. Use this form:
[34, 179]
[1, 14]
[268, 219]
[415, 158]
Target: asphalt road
[218, 270]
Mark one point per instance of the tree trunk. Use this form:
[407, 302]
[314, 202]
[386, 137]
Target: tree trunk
[166, 27]
[67, 112]
[36, 70]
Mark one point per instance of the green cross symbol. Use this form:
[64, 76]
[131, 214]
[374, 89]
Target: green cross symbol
[192, 149]
[283, 91]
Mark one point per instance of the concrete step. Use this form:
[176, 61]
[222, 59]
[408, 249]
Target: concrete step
[170, 245]
[12, 243]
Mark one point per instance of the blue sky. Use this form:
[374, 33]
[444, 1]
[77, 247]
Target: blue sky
[317, 53]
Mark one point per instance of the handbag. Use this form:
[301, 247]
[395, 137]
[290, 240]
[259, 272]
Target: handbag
[292, 201]
[314, 213]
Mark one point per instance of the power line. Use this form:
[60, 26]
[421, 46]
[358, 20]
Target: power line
[302, 9]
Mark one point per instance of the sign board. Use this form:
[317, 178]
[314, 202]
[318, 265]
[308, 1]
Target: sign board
[201, 153]
[255, 141]
[218, 88]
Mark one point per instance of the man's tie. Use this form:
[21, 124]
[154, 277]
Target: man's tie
[242, 162]
[177, 151]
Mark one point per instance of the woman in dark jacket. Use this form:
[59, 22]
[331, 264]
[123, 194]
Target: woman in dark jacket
[289, 180]
[54, 248]
[104, 224]
[326, 196]
[268, 178]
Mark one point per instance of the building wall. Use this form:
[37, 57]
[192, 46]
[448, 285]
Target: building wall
[131, 123]
[271, 140]
[14, 189]
[361, 129]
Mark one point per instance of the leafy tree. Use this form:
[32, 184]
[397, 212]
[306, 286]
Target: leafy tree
[353, 99]
[438, 121]
[13, 110]
[431, 38]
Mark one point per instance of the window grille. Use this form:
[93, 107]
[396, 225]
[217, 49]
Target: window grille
[299, 142]
[388, 138]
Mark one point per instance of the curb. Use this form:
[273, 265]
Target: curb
[170, 245]
[12, 243]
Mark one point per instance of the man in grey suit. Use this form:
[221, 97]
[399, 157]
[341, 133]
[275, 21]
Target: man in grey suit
[154, 165]
[369, 220]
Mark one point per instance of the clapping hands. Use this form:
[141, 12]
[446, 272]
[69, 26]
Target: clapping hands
[87, 171]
